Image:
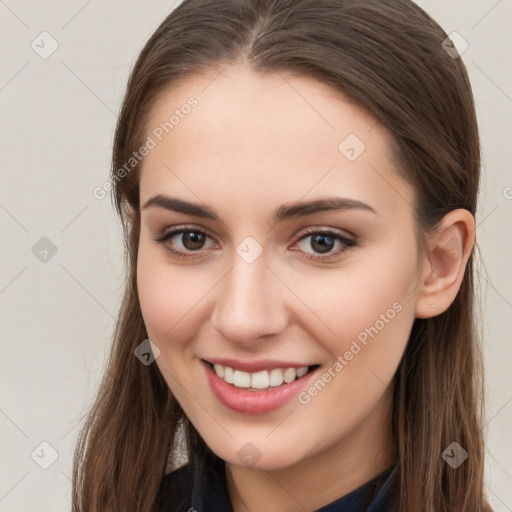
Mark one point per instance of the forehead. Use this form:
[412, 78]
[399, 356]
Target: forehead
[248, 132]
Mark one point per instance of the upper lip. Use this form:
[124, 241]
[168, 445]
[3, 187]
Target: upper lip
[255, 366]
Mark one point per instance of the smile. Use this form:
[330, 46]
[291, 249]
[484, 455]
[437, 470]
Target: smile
[259, 391]
[259, 380]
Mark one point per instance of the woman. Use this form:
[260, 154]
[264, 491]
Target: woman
[297, 181]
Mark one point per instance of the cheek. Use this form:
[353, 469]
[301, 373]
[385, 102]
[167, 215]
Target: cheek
[369, 310]
[371, 313]
[169, 299]
[169, 295]
[369, 297]
[373, 308]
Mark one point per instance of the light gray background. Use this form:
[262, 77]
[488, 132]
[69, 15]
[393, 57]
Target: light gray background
[57, 121]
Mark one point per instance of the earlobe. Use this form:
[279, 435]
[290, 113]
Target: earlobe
[449, 249]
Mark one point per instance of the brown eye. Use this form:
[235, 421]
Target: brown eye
[323, 243]
[193, 240]
[183, 242]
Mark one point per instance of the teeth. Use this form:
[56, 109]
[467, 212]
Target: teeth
[219, 370]
[302, 371]
[259, 380]
[289, 375]
[242, 379]
[228, 375]
[276, 377]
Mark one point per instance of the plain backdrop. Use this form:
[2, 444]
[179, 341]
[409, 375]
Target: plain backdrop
[62, 261]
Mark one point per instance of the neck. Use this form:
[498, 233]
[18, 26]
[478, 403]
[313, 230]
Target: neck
[309, 484]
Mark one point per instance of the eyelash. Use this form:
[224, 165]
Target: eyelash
[346, 242]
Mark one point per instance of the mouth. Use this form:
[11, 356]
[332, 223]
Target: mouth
[260, 380]
[259, 391]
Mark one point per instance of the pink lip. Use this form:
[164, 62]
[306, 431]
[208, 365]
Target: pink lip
[256, 366]
[254, 402]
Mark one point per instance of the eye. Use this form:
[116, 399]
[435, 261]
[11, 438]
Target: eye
[182, 242]
[322, 242]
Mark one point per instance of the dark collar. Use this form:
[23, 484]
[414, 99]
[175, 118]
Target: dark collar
[374, 496]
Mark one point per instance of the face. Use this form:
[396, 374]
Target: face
[280, 319]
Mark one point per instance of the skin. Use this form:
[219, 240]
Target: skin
[248, 133]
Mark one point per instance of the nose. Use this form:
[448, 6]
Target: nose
[251, 304]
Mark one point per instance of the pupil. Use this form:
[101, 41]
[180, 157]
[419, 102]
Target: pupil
[325, 243]
[193, 240]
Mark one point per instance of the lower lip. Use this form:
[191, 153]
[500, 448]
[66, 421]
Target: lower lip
[254, 402]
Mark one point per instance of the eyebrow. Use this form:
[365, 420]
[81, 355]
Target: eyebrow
[284, 212]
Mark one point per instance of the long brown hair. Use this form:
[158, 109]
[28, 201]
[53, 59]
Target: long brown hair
[388, 57]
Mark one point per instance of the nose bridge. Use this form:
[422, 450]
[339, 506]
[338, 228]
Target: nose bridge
[249, 304]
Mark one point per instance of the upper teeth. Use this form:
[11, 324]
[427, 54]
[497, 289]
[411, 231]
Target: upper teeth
[258, 380]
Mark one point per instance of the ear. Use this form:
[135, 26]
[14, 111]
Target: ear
[449, 248]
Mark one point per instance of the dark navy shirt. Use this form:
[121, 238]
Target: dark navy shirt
[177, 494]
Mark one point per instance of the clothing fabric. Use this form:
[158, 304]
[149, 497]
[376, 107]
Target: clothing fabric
[185, 490]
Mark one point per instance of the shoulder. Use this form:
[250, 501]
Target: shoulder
[175, 492]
